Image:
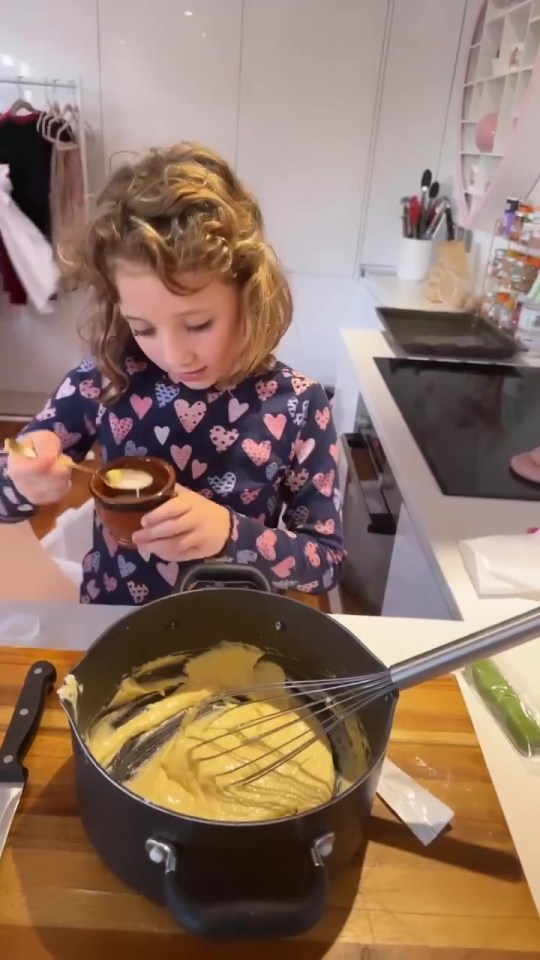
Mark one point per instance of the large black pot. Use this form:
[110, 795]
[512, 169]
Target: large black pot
[227, 880]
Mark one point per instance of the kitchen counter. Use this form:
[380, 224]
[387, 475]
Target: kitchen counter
[443, 902]
[439, 523]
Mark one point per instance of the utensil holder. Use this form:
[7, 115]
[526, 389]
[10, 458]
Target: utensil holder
[414, 258]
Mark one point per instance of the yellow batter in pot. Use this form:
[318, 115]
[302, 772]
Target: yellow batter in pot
[192, 775]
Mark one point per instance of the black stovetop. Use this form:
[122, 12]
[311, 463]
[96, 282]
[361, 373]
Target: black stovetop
[468, 420]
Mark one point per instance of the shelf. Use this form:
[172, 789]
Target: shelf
[506, 11]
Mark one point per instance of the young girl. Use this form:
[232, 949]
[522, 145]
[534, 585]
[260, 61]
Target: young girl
[191, 304]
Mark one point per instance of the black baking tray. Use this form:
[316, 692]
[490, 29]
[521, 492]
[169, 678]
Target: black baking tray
[434, 333]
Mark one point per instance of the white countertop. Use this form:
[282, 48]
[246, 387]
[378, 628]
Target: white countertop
[440, 522]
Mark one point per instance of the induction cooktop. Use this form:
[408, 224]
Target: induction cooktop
[468, 420]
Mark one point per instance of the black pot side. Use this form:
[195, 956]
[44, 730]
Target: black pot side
[227, 881]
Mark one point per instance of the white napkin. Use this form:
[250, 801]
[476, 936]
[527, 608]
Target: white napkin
[503, 566]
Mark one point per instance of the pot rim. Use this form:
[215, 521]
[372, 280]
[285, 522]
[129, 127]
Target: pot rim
[392, 694]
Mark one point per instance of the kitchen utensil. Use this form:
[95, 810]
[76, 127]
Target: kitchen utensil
[405, 216]
[208, 872]
[20, 733]
[450, 231]
[425, 185]
[334, 701]
[126, 478]
[415, 211]
[122, 512]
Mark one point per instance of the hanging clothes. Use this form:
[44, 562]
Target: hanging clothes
[67, 190]
[41, 182]
[29, 251]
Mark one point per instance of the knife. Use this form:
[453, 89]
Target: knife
[20, 734]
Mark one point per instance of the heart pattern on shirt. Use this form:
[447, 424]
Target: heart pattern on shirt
[275, 424]
[169, 572]
[258, 453]
[190, 415]
[66, 389]
[166, 393]
[324, 483]
[181, 455]
[120, 427]
[141, 405]
[224, 485]
[222, 438]
[236, 409]
[162, 433]
[265, 390]
[132, 450]
[88, 390]
[135, 366]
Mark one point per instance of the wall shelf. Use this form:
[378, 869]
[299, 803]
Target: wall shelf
[501, 79]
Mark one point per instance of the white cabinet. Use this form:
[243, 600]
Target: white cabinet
[421, 60]
[170, 72]
[308, 83]
[412, 589]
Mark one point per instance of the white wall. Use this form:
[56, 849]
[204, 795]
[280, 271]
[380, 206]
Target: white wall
[329, 109]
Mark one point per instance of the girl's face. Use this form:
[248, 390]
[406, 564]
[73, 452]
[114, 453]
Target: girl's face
[193, 337]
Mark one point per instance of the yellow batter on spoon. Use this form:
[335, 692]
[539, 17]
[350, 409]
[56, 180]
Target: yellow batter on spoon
[193, 776]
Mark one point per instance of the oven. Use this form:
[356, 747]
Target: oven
[371, 506]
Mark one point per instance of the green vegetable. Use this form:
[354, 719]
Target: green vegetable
[516, 719]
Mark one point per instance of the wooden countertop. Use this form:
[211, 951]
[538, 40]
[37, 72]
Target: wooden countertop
[461, 898]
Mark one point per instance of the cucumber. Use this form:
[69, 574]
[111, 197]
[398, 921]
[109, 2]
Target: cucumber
[505, 705]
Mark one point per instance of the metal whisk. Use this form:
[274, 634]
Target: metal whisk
[334, 701]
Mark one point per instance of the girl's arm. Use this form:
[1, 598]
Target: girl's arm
[71, 414]
[307, 555]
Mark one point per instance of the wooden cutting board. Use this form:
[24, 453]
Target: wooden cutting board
[461, 898]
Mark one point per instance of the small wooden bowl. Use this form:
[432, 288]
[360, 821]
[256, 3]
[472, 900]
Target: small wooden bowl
[122, 512]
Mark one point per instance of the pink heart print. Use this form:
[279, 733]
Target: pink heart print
[88, 390]
[66, 438]
[92, 589]
[120, 427]
[322, 417]
[325, 526]
[222, 438]
[275, 424]
[300, 384]
[266, 544]
[111, 583]
[296, 480]
[266, 390]
[284, 567]
[141, 405]
[181, 455]
[248, 496]
[138, 591]
[135, 366]
[324, 482]
[198, 469]
[258, 453]
[190, 415]
[307, 587]
[169, 572]
[236, 409]
[312, 554]
[303, 448]
[334, 452]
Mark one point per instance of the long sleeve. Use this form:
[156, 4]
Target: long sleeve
[307, 555]
[71, 413]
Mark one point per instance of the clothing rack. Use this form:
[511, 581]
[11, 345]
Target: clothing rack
[75, 86]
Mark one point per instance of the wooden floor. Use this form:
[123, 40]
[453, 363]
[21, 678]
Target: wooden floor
[46, 516]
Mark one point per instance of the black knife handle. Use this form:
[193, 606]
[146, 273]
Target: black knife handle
[24, 723]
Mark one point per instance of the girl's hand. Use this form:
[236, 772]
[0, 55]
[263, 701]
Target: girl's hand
[45, 479]
[186, 527]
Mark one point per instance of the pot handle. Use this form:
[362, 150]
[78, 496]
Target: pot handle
[215, 574]
[245, 919]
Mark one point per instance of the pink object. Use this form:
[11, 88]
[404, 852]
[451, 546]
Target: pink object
[486, 128]
[527, 465]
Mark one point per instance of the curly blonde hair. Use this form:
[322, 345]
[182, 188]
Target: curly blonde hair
[178, 211]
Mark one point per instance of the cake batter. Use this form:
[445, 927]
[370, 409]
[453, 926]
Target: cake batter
[194, 776]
